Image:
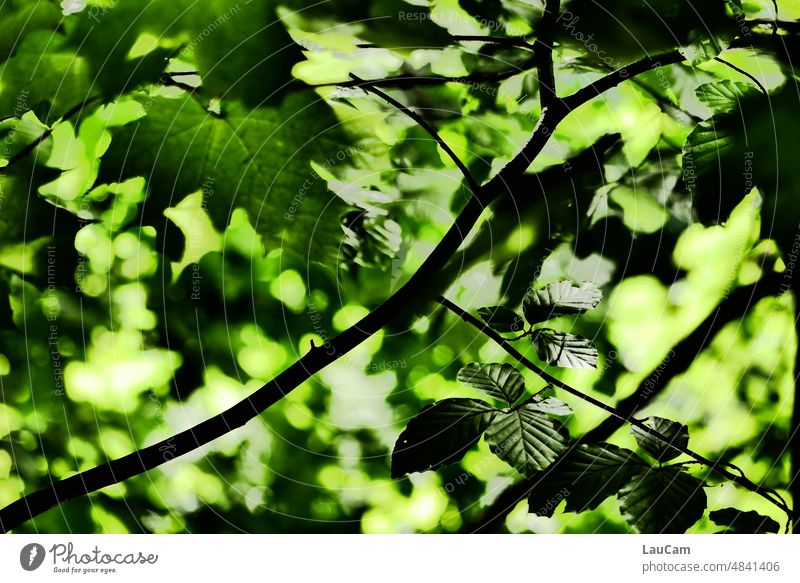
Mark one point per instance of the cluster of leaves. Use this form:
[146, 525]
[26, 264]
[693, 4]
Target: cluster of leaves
[526, 432]
[653, 499]
[134, 135]
[541, 304]
[140, 138]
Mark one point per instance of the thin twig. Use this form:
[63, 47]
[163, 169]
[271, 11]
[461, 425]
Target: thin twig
[473, 184]
[182, 73]
[512, 41]
[408, 81]
[74, 110]
[684, 353]
[775, 21]
[520, 337]
[172, 82]
[666, 102]
[743, 72]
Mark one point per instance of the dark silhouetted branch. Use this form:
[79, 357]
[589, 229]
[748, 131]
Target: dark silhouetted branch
[543, 50]
[683, 354]
[415, 293]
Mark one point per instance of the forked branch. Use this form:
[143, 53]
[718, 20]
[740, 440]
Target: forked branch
[415, 293]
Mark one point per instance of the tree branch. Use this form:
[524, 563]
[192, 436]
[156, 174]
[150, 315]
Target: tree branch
[615, 78]
[407, 298]
[543, 52]
[766, 493]
[683, 354]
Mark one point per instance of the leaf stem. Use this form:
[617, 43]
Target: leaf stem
[520, 337]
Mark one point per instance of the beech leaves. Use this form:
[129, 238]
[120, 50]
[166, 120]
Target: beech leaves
[652, 498]
[527, 435]
[527, 431]
[540, 304]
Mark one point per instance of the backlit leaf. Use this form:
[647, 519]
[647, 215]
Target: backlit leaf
[562, 349]
[501, 381]
[440, 435]
[526, 439]
[663, 500]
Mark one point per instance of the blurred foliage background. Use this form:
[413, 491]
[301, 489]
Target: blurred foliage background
[181, 215]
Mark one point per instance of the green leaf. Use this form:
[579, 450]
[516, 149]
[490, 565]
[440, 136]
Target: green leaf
[722, 96]
[586, 476]
[697, 53]
[61, 82]
[18, 134]
[728, 155]
[527, 439]
[6, 315]
[566, 350]
[22, 17]
[633, 28]
[501, 381]
[371, 240]
[662, 500]
[550, 405]
[249, 55]
[740, 522]
[104, 36]
[28, 223]
[561, 298]
[441, 434]
[403, 27]
[15, 197]
[502, 319]
[676, 433]
[241, 49]
[257, 160]
[704, 145]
